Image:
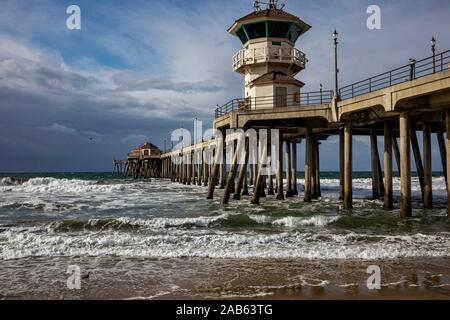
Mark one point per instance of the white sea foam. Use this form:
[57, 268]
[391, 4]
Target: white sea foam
[20, 242]
[51, 195]
[6, 181]
[318, 221]
[181, 234]
[364, 185]
[292, 222]
[52, 185]
[162, 223]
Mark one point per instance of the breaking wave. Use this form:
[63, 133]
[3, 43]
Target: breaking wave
[160, 219]
[23, 242]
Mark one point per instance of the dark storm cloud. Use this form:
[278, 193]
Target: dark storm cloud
[132, 81]
[122, 83]
[53, 118]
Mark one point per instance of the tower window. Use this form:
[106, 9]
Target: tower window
[242, 36]
[278, 29]
[294, 33]
[256, 30]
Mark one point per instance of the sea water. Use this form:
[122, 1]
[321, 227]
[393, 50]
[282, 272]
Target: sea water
[93, 215]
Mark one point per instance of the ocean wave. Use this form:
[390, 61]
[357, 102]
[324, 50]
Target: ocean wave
[10, 181]
[35, 204]
[292, 222]
[126, 223]
[48, 185]
[22, 243]
[53, 185]
[219, 221]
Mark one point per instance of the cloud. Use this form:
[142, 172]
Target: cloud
[135, 139]
[61, 129]
[138, 70]
[132, 81]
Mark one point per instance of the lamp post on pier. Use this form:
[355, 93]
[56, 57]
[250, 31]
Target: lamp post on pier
[321, 91]
[412, 69]
[433, 50]
[336, 69]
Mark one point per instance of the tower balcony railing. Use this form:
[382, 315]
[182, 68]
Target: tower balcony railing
[269, 54]
[303, 99]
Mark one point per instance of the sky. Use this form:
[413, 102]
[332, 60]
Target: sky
[74, 100]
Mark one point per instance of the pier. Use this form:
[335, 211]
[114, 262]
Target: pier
[392, 106]
[142, 162]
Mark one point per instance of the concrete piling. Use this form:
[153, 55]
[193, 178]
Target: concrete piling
[405, 166]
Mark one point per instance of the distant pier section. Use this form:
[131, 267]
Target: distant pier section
[142, 162]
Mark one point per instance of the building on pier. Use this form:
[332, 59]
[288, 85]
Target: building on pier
[269, 60]
[146, 150]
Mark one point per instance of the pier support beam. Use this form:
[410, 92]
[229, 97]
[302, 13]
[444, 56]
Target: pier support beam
[270, 189]
[443, 153]
[418, 159]
[341, 163]
[223, 168]
[245, 185]
[199, 167]
[185, 167]
[447, 125]
[229, 187]
[308, 165]
[204, 168]
[294, 168]
[213, 179]
[313, 169]
[375, 164]
[172, 170]
[289, 193]
[258, 188]
[317, 169]
[396, 152]
[254, 172]
[242, 172]
[427, 167]
[189, 168]
[193, 168]
[405, 166]
[348, 166]
[388, 188]
[280, 194]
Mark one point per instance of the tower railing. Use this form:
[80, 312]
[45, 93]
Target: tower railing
[414, 70]
[268, 54]
[272, 102]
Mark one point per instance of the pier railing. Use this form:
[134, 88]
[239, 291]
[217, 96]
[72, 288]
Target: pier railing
[268, 54]
[414, 70]
[270, 102]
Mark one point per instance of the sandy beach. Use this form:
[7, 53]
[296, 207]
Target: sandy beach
[194, 278]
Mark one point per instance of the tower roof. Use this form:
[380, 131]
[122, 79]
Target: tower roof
[277, 77]
[269, 14]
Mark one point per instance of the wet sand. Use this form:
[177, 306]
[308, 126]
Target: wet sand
[200, 278]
